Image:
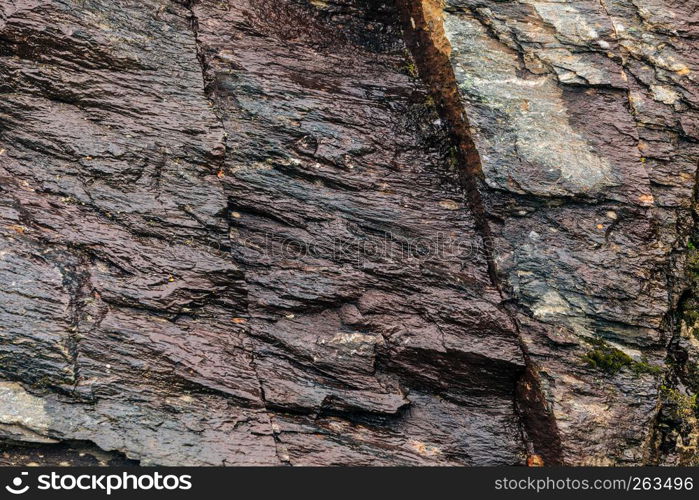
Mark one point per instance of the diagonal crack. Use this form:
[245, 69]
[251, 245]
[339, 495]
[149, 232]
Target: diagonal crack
[427, 41]
[208, 89]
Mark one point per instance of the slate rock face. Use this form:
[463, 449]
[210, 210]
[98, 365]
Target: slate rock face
[581, 113]
[293, 232]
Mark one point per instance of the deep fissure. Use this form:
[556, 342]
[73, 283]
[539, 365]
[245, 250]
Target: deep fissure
[427, 41]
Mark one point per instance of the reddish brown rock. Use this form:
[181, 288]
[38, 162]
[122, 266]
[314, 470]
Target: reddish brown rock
[259, 232]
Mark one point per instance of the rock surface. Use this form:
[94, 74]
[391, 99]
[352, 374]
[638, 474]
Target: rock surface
[584, 116]
[353, 232]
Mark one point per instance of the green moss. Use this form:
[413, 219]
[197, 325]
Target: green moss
[692, 378]
[691, 319]
[690, 311]
[684, 406]
[691, 316]
[693, 260]
[643, 366]
[453, 159]
[410, 69]
[610, 360]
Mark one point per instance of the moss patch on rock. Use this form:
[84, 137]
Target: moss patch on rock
[610, 360]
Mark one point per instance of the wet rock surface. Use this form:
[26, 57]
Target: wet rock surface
[246, 232]
[580, 113]
[63, 454]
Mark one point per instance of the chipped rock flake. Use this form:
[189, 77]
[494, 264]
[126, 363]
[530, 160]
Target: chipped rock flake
[23, 415]
[555, 159]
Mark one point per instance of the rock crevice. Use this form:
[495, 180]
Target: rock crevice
[425, 36]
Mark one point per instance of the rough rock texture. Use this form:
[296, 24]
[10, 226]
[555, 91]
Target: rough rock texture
[349, 232]
[584, 115]
[63, 454]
